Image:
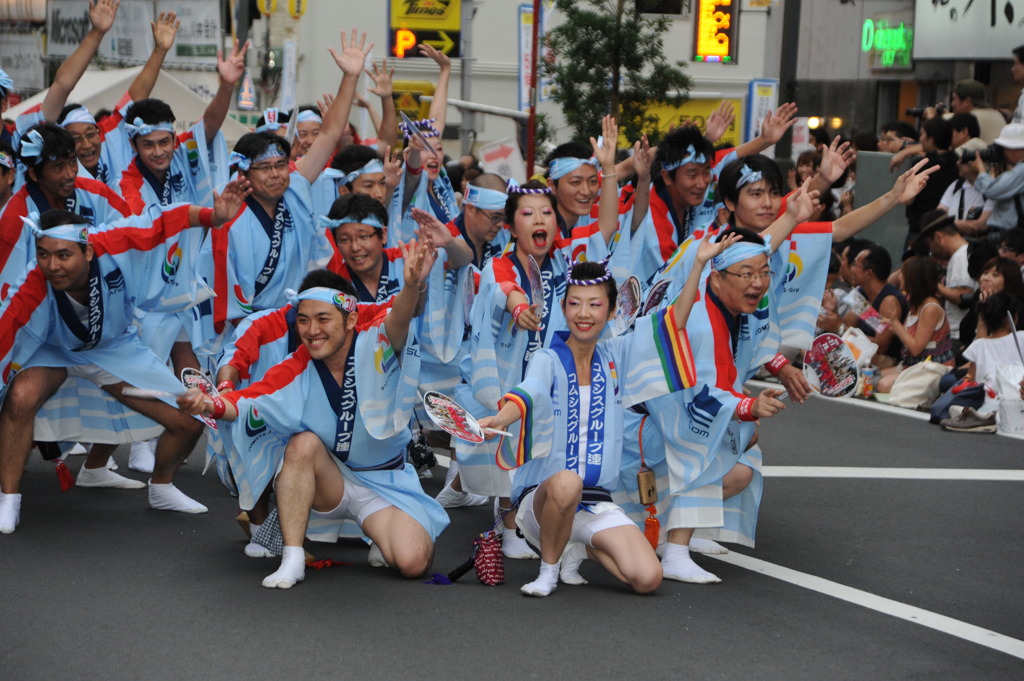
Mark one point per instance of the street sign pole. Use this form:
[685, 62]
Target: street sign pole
[531, 130]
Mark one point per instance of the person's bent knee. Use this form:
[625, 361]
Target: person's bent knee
[414, 564]
[647, 579]
[564, 488]
[302, 448]
[24, 398]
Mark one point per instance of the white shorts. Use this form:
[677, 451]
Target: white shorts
[585, 525]
[357, 503]
[94, 374]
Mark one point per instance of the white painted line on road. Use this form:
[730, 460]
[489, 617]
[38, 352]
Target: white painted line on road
[989, 474]
[926, 618]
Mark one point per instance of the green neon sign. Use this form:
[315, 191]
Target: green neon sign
[892, 43]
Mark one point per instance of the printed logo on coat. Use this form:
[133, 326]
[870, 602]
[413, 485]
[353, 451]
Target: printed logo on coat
[114, 280]
[171, 263]
[254, 423]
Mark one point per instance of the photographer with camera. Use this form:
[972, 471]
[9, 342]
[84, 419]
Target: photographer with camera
[936, 140]
[1000, 176]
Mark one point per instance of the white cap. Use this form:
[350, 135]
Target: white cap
[1011, 137]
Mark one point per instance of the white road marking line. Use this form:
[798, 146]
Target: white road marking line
[947, 625]
[894, 473]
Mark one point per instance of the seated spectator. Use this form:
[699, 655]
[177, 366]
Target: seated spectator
[868, 272]
[925, 331]
[945, 241]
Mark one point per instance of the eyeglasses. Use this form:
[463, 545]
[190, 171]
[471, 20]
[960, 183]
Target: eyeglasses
[887, 140]
[90, 136]
[495, 218]
[280, 166]
[362, 239]
[1007, 249]
[748, 277]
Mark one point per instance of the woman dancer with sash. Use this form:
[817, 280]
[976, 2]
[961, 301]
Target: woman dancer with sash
[569, 445]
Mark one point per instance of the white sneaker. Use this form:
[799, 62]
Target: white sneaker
[10, 512]
[167, 497]
[449, 498]
[143, 456]
[103, 477]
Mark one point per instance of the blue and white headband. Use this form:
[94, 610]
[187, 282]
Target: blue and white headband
[561, 167]
[77, 233]
[141, 127]
[6, 160]
[6, 84]
[368, 220]
[425, 126]
[32, 145]
[569, 281]
[373, 166]
[691, 157]
[342, 301]
[271, 120]
[748, 176]
[244, 162]
[512, 187]
[79, 115]
[741, 251]
[486, 199]
[308, 115]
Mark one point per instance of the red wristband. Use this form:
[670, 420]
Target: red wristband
[776, 364]
[744, 410]
[518, 310]
[206, 217]
[414, 171]
[219, 406]
[226, 385]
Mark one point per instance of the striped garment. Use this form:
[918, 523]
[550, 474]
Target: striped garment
[440, 202]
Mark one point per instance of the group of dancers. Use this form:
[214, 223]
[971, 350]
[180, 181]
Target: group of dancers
[325, 285]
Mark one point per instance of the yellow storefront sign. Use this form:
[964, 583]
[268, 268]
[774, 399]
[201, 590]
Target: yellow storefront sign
[696, 111]
[430, 15]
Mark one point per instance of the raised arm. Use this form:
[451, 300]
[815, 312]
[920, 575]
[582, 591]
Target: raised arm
[834, 162]
[706, 250]
[433, 230]
[229, 71]
[774, 126]
[800, 206]
[439, 105]
[608, 207]
[642, 160]
[406, 302]
[904, 190]
[719, 121]
[350, 60]
[165, 28]
[101, 16]
[383, 87]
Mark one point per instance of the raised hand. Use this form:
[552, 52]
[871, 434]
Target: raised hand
[165, 28]
[231, 69]
[643, 158]
[778, 122]
[227, 204]
[605, 153]
[836, 159]
[708, 249]
[911, 183]
[353, 53]
[324, 104]
[383, 85]
[392, 167]
[437, 55]
[803, 204]
[432, 228]
[102, 14]
[719, 121]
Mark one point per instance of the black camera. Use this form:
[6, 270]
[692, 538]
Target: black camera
[993, 153]
[918, 111]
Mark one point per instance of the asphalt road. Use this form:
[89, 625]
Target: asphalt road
[888, 576]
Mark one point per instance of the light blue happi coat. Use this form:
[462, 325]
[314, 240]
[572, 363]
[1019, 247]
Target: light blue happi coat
[127, 271]
[651, 361]
[441, 203]
[291, 399]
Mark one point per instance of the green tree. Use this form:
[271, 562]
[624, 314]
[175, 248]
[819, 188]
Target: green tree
[609, 59]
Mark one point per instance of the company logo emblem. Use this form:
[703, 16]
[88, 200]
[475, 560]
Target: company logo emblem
[172, 262]
[254, 423]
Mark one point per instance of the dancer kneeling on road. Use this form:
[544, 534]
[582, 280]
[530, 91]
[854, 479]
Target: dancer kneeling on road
[71, 315]
[571, 403]
[345, 397]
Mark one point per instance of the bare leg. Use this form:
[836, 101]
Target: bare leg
[628, 556]
[554, 504]
[94, 472]
[403, 542]
[26, 394]
[98, 455]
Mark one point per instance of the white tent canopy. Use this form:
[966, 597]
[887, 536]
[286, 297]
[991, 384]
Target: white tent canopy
[103, 89]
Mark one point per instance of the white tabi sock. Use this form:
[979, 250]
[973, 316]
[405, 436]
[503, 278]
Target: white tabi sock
[104, 477]
[10, 512]
[254, 550]
[143, 456]
[167, 497]
[678, 565]
[292, 570]
[545, 583]
[708, 546]
[453, 470]
[573, 556]
[514, 546]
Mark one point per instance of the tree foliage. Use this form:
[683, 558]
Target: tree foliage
[609, 59]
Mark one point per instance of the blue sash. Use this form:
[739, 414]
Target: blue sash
[586, 464]
[343, 399]
[536, 341]
[89, 335]
[383, 290]
[42, 205]
[162, 189]
[275, 230]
